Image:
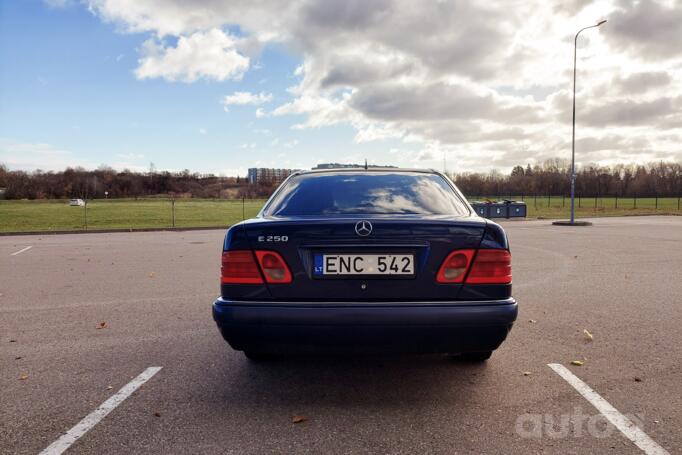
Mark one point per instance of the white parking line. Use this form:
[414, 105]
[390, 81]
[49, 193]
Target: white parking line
[89, 421]
[625, 425]
[22, 250]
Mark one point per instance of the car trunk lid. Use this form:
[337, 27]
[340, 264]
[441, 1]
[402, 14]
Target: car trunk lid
[428, 238]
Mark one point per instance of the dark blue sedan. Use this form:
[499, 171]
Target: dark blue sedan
[366, 260]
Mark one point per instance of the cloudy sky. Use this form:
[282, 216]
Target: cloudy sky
[223, 85]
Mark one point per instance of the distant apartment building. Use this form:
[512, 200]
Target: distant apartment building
[268, 175]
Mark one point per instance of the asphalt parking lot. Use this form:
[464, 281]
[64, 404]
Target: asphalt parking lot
[83, 315]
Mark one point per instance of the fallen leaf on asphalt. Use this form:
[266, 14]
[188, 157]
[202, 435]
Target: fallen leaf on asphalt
[12, 341]
[638, 379]
[152, 274]
[527, 373]
[298, 419]
[109, 387]
[102, 325]
[157, 414]
[18, 357]
[588, 335]
[575, 257]
[23, 376]
[532, 321]
[577, 363]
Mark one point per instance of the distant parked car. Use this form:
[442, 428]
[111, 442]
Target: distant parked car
[367, 259]
[76, 202]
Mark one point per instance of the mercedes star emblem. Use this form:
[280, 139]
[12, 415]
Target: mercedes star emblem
[363, 228]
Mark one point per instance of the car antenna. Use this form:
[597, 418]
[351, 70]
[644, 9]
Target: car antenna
[243, 209]
[365, 163]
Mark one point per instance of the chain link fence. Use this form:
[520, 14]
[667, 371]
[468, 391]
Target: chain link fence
[97, 214]
[146, 213]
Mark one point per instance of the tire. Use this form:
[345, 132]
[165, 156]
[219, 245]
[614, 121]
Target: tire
[258, 356]
[480, 356]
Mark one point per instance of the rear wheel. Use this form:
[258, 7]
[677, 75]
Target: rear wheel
[480, 356]
[258, 356]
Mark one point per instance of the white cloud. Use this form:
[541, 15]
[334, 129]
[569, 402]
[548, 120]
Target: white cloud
[425, 155]
[376, 132]
[32, 156]
[47, 157]
[264, 19]
[59, 3]
[203, 131]
[641, 81]
[320, 110]
[651, 29]
[211, 55]
[246, 98]
[485, 82]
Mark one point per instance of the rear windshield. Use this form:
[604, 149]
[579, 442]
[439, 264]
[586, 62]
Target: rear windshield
[345, 193]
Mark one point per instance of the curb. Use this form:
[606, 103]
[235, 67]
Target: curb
[574, 223]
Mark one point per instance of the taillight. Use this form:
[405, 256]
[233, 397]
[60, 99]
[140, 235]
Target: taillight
[483, 266]
[491, 267]
[454, 267]
[239, 267]
[273, 266]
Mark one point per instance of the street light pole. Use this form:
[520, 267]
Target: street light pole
[575, 64]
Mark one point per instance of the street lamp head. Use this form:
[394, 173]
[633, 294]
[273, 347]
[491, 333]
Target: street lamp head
[601, 22]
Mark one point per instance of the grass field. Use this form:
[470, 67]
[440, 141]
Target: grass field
[23, 216]
[18, 216]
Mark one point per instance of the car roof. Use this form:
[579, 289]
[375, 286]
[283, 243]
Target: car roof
[368, 170]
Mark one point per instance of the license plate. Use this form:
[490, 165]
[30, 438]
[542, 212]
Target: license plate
[363, 264]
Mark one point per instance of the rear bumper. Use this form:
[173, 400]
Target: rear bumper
[395, 326]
